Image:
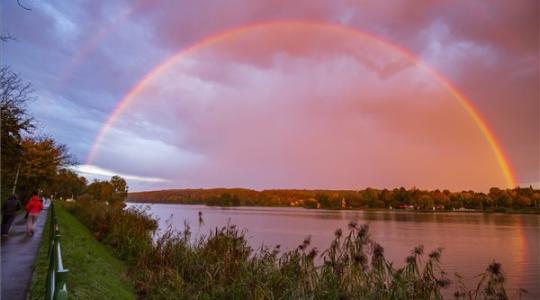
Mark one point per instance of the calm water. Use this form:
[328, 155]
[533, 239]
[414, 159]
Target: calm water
[470, 240]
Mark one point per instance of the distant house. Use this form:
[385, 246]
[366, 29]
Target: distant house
[464, 209]
[297, 203]
[405, 206]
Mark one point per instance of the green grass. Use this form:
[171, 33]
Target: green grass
[93, 272]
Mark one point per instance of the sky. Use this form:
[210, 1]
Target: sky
[285, 94]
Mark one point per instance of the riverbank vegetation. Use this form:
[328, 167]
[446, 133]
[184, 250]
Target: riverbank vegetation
[94, 273]
[221, 265]
[497, 200]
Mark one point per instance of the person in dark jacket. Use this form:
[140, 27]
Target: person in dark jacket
[9, 210]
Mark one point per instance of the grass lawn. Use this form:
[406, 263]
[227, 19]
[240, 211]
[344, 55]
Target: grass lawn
[93, 272]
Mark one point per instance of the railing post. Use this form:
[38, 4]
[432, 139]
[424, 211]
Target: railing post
[52, 220]
[61, 287]
[49, 285]
[60, 290]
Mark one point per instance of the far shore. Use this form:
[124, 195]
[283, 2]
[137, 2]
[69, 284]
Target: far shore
[398, 210]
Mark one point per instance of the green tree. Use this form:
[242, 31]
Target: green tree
[119, 190]
[388, 198]
[310, 203]
[328, 201]
[425, 201]
[402, 196]
[494, 194]
[354, 200]
[370, 197]
[504, 200]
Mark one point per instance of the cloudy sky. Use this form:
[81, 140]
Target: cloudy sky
[285, 94]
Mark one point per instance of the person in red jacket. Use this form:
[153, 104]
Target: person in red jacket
[33, 208]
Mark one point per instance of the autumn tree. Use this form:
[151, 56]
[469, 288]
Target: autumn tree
[114, 192]
[535, 199]
[16, 123]
[99, 191]
[66, 184]
[40, 162]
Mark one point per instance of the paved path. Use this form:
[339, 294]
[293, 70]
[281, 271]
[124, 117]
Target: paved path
[18, 254]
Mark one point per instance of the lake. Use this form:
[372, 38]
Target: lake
[471, 241]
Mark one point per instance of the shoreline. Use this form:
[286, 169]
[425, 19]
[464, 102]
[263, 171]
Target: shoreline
[500, 211]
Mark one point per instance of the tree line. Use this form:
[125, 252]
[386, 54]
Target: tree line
[399, 198]
[32, 162]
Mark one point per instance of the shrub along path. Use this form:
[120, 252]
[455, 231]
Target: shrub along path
[18, 255]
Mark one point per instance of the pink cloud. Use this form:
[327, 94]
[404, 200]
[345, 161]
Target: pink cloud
[329, 111]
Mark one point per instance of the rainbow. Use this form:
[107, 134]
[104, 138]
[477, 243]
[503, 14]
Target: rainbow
[465, 103]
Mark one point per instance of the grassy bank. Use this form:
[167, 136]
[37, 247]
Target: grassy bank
[93, 272]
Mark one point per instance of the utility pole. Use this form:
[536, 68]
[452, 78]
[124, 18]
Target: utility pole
[16, 179]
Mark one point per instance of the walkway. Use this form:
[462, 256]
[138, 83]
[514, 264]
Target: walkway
[18, 254]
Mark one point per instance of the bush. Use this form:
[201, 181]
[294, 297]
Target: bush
[129, 232]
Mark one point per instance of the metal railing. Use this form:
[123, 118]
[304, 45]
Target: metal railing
[56, 276]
